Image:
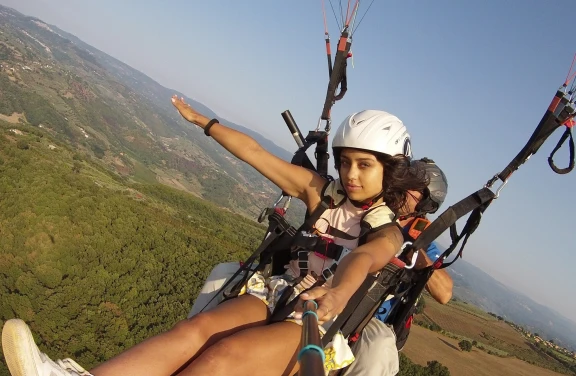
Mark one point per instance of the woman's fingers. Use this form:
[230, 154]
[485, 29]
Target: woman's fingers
[315, 293]
[325, 310]
[185, 110]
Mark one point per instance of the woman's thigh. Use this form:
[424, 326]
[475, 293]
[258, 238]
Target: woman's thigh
[265, 350]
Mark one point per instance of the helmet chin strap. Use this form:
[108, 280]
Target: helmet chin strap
[366, 205]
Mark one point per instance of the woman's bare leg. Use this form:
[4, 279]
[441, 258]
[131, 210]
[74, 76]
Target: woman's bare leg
[167, 352]
[261, 351]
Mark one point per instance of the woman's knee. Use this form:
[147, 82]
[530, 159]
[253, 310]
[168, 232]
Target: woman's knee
[222, 358]
[198, 328]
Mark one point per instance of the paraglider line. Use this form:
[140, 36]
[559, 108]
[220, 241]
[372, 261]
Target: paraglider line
[341, 13]
[347, 12]
[333, 12]
[324, 16]
[354, 9]
[569, 71]
[364, 15]
[569, 79]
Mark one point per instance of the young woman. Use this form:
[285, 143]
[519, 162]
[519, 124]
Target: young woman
[236, 337]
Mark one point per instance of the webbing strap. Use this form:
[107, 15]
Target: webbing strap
[559, 111]
[386, 284]
[281, 311]
[364, 300]
[567, 134]
[348, 310]
[401, 310]
[277, 227]
[481, 198]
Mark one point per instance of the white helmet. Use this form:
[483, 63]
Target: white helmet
[374, 130]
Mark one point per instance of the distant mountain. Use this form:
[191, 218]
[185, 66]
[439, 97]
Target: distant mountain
[101, 106]
[476, 287]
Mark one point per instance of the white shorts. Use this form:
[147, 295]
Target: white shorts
[269, 290]
[375, 351]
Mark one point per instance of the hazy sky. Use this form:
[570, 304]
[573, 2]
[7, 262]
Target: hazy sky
[470, 79]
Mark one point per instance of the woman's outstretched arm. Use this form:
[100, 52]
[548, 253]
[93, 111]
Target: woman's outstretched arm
[294, 180]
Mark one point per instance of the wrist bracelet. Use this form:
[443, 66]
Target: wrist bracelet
[210, 124]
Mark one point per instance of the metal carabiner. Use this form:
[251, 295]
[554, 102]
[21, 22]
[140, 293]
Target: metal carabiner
[492, 181]
[326, 128]
[412, 261]
[414, 255]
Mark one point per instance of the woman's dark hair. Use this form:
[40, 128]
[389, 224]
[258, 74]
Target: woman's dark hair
[399, 176]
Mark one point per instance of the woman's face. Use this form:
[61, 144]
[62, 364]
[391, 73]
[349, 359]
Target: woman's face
[361, 173]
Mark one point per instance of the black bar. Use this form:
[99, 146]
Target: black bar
[329, 56]
[310, 359]
[294, 130]
[337, 73]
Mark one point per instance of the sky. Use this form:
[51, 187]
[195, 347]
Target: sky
[469, 79]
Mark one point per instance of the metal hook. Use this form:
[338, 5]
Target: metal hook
[414, 255]
[326, 128]
[500, 188]
[412, 261]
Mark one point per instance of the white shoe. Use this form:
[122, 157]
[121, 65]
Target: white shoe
[24, 358]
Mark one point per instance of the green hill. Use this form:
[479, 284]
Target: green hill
[93, 263]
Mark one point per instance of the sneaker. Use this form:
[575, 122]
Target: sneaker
[24, 358]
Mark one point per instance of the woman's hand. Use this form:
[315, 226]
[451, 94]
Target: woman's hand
[330, 301]
[188, 112]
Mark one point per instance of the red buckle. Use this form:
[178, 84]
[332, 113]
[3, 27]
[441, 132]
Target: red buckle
[328, 241]
[354, 338]
[280, 211]
[409, 322]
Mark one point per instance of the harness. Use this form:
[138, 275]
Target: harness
[283, 243]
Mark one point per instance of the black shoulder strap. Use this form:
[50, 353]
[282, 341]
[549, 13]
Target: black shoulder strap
[368, 296]
[476, 203]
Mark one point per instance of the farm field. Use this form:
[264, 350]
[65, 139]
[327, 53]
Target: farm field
[499, 348]
[425, 345]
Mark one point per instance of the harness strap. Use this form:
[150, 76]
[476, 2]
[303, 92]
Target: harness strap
[278, 226]
[282, 311]
[567, 134]
[349, 310]
[323, 247]
[386, 284]
[477, 202]
[401, 310]
[559, 111]
[365, 300]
